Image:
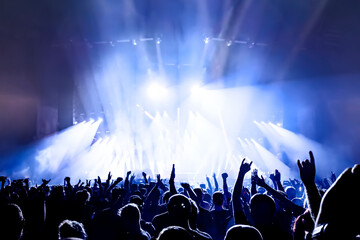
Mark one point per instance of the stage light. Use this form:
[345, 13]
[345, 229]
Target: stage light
[229, 43]
[158, 41]
[195, 89]
[134, 42]
[206, 40]
[156, 91]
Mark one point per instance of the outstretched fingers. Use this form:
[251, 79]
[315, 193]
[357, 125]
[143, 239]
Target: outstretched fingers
[299, 164]
[242, 163]
[312, 159]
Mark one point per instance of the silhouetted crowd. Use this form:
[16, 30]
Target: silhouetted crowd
[163, 209]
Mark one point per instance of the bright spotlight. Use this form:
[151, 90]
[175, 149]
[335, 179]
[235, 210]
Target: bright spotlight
[229, 43]
[156, 91]
[206, 40]
[158, 41]
[134, 42]
[195, 89]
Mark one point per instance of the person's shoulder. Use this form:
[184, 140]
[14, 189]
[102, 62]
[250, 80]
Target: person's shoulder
[199, 235]
[203, 210]
[160, 217]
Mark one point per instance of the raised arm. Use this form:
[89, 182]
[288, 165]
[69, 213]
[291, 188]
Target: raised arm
[209, 186]
[216, 183]
[272, 177]
[297, 210]
[107, 183]
[190, 191]
[277, 178]
[151, 194]
[236, 197]
[145, 179]
[127, 183]
[67, 186]
[227, 194]
[116, 182]
[254, 176]
[307, 175]
[172, 181]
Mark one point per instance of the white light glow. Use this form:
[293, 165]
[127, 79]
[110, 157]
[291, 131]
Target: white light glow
[196, 89]
[156, 91]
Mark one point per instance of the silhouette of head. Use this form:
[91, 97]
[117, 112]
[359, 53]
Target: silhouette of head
[174, 233]
[290, 192]
[137, 200]
[71, 229]
[243, 232]
[11, 222]
[130, 213]
[262, 209]
[82, 196]
[218, 198]
[179, 207]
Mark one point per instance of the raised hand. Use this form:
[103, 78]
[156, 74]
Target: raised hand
[144, 175]
[224, 175]
[254, 175]
[186, 186]
[172, 175]
[277, 176]
[26, 180]
[45, 182]
[260, 181]
[307, 170]
[172, 181]
[128, 173]
[78, 182]
[158, 178]
[67, 179]
[88, 183]
[119, 179]
[272, 177]
[132, 177]
[207, 178]
[109, 176]
[245, 167]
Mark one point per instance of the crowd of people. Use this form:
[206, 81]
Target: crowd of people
[143, 209]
